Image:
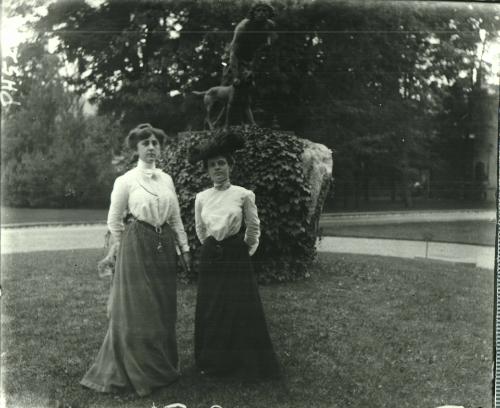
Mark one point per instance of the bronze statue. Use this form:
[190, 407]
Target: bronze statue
[225, 95]
[250, 35]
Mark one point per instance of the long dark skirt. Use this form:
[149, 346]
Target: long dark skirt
[231, 336]
[139, 351]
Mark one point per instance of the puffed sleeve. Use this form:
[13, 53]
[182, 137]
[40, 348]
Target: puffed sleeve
[201, 230]
[252, 222]
[174, 218]
[118, 208]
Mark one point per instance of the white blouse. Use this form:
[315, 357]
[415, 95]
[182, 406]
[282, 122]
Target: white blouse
[219, 213]
[149, 195]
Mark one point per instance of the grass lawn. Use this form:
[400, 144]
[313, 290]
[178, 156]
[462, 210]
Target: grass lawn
[363, 331]
[337, 204]
[465, 232]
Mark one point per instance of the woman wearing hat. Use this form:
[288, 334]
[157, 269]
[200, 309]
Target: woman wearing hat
[139, 351]
[231, 336]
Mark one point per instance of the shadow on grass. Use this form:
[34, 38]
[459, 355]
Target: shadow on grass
[363, 331]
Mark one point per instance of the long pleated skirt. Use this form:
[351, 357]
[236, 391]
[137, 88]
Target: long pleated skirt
[139, 351]
[231, 335]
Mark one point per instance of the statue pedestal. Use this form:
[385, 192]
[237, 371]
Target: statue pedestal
[290, 177]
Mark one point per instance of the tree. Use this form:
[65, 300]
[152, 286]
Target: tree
[369, 80]
[388, 69]
[53, 155]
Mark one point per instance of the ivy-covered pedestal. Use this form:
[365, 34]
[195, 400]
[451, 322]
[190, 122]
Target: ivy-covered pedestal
[290, 177]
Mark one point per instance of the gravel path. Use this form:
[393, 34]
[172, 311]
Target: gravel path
[479, 255]
[50, 238]
[30, 239]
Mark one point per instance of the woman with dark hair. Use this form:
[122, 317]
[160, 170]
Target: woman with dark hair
[139, 351]
[231, 336]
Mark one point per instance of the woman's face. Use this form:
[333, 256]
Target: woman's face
[149, 149]
[218, 169]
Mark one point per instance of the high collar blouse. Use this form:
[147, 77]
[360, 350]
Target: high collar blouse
[220, 212]
[149, 195]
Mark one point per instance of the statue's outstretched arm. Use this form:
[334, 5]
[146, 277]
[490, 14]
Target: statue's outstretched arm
[234, 47]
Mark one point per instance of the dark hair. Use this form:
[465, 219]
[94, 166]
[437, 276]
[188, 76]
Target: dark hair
[229, 158]
[270, 9]
[144, 131]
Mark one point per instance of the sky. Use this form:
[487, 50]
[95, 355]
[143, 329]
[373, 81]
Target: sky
[12, 35]
[15, 32]
[13, 28]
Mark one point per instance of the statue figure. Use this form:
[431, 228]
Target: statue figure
[250, 35]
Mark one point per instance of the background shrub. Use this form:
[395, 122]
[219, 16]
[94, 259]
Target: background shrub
[73, 170]
[270, 165]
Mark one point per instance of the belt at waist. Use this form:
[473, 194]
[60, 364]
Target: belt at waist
[225, 240]
[159, 229]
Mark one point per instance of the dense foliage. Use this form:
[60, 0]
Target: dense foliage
[270, 165]
[395, 88]
[53, 155]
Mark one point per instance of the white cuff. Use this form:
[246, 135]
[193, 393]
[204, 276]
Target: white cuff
[252, 249]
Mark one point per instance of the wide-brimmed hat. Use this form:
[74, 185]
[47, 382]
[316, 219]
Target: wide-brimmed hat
[220, 144]
[143, 131]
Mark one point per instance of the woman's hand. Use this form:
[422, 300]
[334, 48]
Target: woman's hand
[186, 256]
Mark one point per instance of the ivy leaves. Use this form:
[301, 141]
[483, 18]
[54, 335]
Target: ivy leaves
[271, 166]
